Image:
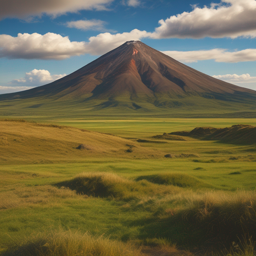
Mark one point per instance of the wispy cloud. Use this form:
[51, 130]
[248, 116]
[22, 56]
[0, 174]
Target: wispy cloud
[237, 79]
[133, 3]
[10, 89]
[219, 55]
[87, 24]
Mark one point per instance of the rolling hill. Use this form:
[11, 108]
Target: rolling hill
[236, 134]
[25, 142]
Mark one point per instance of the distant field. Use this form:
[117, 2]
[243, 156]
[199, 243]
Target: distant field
[122, 108]
[145, 127]
[149, 199]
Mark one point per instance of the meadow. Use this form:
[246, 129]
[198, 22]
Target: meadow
[122, 194]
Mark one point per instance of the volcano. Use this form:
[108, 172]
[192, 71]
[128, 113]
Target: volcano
[137, 73]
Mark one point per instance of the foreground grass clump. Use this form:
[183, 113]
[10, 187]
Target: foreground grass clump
[247, 248]
[213, 220]
[109, 185]
[70, 244]
[223, 217]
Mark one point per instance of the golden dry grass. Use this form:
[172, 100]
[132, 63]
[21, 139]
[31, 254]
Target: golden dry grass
[113, 186]
[24, 142]
[67, 243]
[161, 200]
[32, 196]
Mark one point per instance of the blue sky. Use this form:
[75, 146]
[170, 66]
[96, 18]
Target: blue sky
[43, 40]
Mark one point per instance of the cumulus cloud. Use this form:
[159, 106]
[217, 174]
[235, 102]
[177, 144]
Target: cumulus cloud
[219, 55]
[37, 46]
[237, 79]
[86, 24]
[54, 46]
[26, 8]
[105, 42]
[34, 78]
[230, 18]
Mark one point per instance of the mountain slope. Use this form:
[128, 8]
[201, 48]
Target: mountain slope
[133, 75]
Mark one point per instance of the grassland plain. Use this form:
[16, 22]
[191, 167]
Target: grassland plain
[202, 199]
[123, 108]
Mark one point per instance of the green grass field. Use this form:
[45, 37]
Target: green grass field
[122, 190]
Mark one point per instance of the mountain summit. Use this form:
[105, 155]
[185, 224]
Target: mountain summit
[139, 73]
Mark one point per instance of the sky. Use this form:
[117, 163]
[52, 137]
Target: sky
[44, 40]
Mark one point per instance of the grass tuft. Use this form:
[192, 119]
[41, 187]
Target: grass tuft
[69, 244]
[32, 196]
[110, 185]
[211, 219]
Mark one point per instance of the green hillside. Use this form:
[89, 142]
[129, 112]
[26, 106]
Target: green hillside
[194, 106]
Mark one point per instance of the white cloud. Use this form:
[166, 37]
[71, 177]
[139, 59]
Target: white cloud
[54, 46]
[10, 89]
[230, 18]
[36, 77]
[36, 46]
[219, 55]
[133, 3]
[27, 8]
[237, 79]
[86, 24]
[105, 42]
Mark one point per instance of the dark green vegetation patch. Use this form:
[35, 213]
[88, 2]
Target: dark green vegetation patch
[175, 179]
[236, 134]
[109, 185]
